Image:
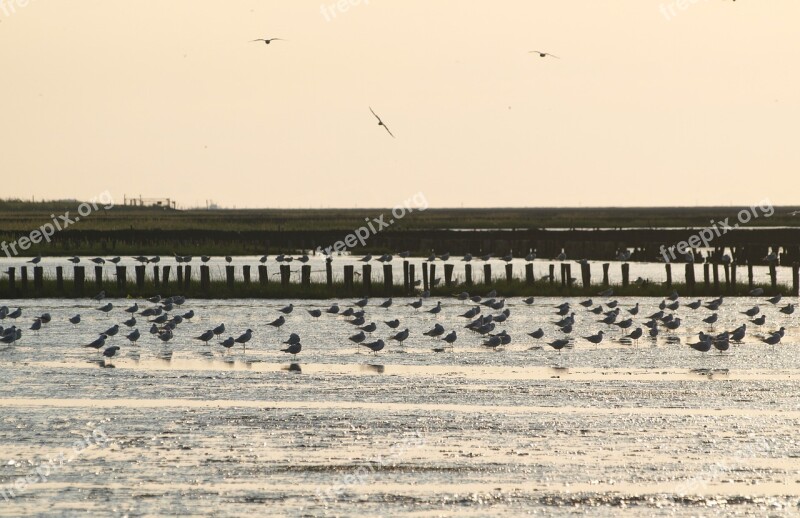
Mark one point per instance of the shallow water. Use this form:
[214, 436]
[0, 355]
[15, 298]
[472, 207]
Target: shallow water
[653, 428]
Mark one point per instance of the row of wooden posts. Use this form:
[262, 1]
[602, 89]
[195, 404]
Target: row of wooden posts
[183, 276]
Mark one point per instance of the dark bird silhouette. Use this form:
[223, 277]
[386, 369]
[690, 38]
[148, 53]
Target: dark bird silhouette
[381, 123]
[267, 41]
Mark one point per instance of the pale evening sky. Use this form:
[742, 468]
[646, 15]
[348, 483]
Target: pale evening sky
[171, 99]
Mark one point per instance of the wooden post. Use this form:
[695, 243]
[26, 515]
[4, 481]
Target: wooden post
[366, 278]
[140, 271]
[78, 281]
[433, 275]
[246, 273]
[448, 274]
[263, 278]
[406, 287]
[187, 277]
[348, 277]
[98, 276]
[733, 277]
[795, 279]
[329, 273]
[552, 274]
[425, 285]
[60, 279]
[487, 274]
[749, 275]
[205, 278]
[156, 277]
[388, 280]
[605, 274]
[468, 274]
[179, 275]
[305, 275]
[726, 268]
[706, 277]
[286, 272]
[529, 280]
[563, 275]
[12, 280]
[586, 275]
[690, 281]
[626, 268]
[668, 267]
[165, 279]
[122, 279]
[230, 275]
[715, 276]
[23, 279]
[568, 273]
[509, 272]
[38, 278]
[773, 276]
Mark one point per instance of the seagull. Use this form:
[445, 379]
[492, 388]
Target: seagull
[278, 322]
[450, 338]
[760, 320]
[111, 331]
[206, 337]
[244, 338]
[228, 342]
[219, 329]
[438, 330]
[288, 309]
[293, 349]
[358, 337]
[134, 336]
[543, 54]
[558, 344]
[267, 40]
[752, 311]
[635, 335]
[703, 346]
[528, 301]
[595, 339]
[36, 260]
[437, 309]
[370, 328]
[316, 313]
[537, 334]
[774, 300]
[133, 309]
[787, 310]
[105, 309]
[97, 344]
[380, 122]
[394, 324]
[75, 320]
[401, 336]
[111, 351]
[387, 303]
[711, 319]
[375, 346]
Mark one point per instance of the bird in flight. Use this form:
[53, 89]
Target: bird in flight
[543, 54]
[268, 40]
[380, 122]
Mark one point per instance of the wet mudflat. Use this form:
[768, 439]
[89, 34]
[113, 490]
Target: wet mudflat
[181, 428]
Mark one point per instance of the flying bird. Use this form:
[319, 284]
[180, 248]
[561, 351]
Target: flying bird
[381, 123]
[543, 54]
[267, 40]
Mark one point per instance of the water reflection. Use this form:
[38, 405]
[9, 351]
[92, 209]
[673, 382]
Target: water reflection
[380, 369]
[294, 367]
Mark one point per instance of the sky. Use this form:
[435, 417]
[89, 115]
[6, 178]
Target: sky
[649, 103]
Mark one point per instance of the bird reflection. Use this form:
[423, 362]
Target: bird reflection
[294, 367]
[380, 369]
